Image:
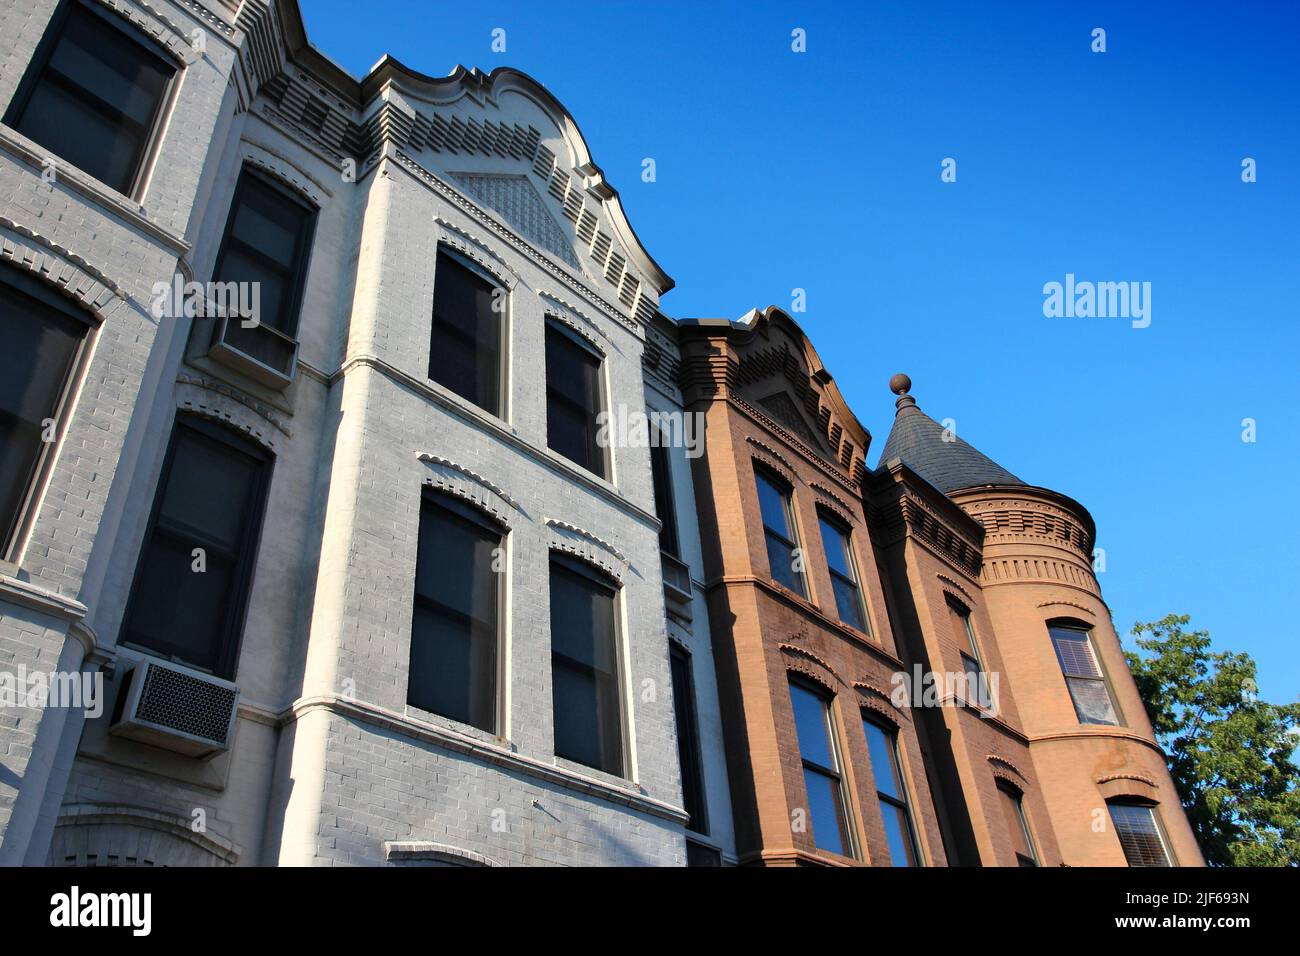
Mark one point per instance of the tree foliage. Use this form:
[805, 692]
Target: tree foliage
[1232, 756]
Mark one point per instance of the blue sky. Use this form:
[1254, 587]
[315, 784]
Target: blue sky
[821, 171]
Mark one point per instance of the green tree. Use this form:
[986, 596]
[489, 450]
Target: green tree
[1232, 756]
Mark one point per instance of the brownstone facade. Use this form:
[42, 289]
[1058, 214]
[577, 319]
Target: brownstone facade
[929, 637]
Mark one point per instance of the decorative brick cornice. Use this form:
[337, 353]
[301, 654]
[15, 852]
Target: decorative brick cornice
[471, 487]
[587, 547]
[903, 512]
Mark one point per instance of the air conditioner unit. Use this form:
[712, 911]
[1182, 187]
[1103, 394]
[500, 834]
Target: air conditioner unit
[264, 354]
[176, 708]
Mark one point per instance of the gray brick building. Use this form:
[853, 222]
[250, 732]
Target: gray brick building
[243, 525]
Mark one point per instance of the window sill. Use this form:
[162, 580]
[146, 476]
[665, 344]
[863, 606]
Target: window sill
[111, 201]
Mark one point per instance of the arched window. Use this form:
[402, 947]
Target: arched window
[195, 570]
[1083, 673]
[1013, 809]
[44, 337]
[1139, 831]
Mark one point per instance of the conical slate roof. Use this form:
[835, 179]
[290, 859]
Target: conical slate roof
[920, 442]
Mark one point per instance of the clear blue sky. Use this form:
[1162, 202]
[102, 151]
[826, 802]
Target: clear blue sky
[821, 170]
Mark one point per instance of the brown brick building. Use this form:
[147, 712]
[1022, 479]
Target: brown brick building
[915, 663]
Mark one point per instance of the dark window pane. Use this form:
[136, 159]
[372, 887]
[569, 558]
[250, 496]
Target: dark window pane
[848, 602]
[697, 854]
[584, 671]
[1139, 834]
[73, 130]
[812, 726]
[572, 401]
[210, 496]
[836, 544]
[465, 347]
[1017, 827]
[661, 473]
[40, 348]
[772, 502]
[898, 833]
[780, 560]
[454, 626]
[268, 235]
[824, 811]
[93, 101]
[884, 763]
[688, 740]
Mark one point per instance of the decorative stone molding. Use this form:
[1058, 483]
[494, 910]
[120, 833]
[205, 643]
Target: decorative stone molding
[202, 405]
[283, 169]
[421, 851]
[473, 248]
[208, 400]
[803, 660]
[1005, 768]
[570, 314]
[997, 570]
[1070, 604]
[1128, 784]
[837, 503]
[874, 697]
[773, 459]
[119, 820]
[471, 487]
[587, 547]
[949, 584]
[151, 21]
[583, 332]
[58, 266]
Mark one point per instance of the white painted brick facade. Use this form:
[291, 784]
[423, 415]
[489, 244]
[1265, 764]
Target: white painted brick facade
[329, 765]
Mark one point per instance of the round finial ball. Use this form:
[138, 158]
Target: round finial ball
[900, 384]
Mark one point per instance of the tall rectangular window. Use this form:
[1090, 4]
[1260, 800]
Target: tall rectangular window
[267, 245]
[1139, 834]
[844, 573]
[819, 753]
[93, 95]
[573, 401]
[192, 582]
[661, 473]
[882, 746]
[465, 347]
[584, 668]
[688, 740]
[454, 632]
[963, 635]
[1013, 810]
[1083, 675]
[779, 532]
[43, 335]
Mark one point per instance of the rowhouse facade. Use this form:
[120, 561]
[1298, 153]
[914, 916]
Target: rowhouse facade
[314, 460]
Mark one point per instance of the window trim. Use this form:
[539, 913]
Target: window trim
[605, 454]
[302, 255]
[582, 568]
[464, 509]
[44, 51]
[227, 663]
[908, 803]
[838, 774]
[25, 283]
[850, 553]
[1018, 795]
[681, 653]
[503, 350]
[786, 489]
[1171, 860]
[1067, 624]
[962, 610]
[670, 526]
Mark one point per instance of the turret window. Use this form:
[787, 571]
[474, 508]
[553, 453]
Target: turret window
[1139, 833]
[1083, 675]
